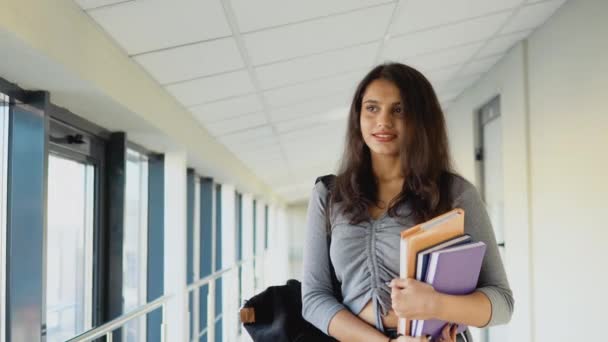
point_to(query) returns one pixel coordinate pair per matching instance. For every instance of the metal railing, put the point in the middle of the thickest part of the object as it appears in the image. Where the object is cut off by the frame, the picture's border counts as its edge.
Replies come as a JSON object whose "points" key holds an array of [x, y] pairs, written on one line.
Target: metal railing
{"points": [[209, 280], [108, 328]]}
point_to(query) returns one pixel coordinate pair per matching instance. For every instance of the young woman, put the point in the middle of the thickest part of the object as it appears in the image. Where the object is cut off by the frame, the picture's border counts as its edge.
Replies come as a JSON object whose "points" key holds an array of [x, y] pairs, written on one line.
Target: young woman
{"points": [[396, 172]]}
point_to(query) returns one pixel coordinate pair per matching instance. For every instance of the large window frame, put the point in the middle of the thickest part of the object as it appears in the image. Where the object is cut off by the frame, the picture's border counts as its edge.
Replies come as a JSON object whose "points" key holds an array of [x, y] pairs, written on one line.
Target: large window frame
{"points": [[4, 122], [73, 138], [138, 155]]}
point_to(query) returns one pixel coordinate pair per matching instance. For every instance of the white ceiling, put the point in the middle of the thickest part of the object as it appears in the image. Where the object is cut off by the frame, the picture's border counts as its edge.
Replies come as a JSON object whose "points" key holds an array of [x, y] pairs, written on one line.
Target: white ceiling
{"points": [[272, 79]]}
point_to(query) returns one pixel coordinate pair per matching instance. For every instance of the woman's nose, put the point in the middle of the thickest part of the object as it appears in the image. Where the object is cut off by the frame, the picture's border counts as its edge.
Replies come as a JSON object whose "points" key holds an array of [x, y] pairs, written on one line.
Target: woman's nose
{"points": [[385, 119]]}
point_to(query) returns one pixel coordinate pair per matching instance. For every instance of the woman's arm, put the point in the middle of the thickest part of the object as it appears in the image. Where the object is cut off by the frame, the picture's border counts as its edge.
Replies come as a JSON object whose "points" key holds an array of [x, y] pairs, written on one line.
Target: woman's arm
{"points": [[449, 308], [492, 303], [345, 326], [318, 302]]}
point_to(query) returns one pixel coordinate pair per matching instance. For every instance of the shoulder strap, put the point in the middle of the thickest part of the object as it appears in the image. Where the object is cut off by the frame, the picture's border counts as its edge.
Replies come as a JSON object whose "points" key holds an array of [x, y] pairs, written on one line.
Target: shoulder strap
{"points": [[328, 181]]}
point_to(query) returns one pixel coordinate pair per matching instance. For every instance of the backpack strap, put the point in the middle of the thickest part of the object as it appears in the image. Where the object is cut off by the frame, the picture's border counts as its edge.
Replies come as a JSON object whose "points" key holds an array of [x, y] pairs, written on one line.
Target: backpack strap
{"points": [[328, 181]]}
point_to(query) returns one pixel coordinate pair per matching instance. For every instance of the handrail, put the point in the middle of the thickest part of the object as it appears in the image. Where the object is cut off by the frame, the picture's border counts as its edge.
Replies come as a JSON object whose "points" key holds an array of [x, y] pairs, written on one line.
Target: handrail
{"points": [[217, 274], [108, 328]]}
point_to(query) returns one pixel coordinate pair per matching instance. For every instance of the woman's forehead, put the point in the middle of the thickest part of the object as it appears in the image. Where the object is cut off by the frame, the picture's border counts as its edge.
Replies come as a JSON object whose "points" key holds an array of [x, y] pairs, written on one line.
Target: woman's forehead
{"points": [[382, 91]]}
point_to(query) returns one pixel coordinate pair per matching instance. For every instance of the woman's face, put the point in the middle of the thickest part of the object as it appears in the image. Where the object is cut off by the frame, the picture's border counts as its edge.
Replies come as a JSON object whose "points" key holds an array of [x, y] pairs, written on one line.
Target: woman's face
{"points": [[382, 118]]}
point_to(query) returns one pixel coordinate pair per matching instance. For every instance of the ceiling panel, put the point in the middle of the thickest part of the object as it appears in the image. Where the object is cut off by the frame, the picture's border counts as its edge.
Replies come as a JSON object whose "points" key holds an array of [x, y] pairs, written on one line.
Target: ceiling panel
{"points": [[444, 37], [448, 57], [310, 90], [202, 90], [480, 65], [264, 133], [255, 15], [237, 124], [317, 36], [229, 108], [458, 84], [91, 4], [340, 115], [322, 104], [252, 146], [531, 16], [317, 66], [502, 43], [417, 15], [192, 61], [140, 26], [439, 76]]}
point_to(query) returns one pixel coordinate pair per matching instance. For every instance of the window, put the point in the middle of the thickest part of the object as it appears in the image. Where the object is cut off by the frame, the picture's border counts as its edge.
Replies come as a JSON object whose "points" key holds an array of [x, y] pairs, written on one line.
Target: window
{"points": [[135, 242], [218, 262], [4, 113], [74, 297], [70, 224]]}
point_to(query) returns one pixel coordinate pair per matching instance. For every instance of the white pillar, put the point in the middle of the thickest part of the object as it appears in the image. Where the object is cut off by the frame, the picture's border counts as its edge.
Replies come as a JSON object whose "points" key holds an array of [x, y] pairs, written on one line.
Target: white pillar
{"points": [[229, 279], [175, 245]]}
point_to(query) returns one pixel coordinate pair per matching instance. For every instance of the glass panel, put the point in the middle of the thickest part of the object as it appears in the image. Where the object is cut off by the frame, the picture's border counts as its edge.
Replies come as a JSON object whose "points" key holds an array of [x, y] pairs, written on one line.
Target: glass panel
{"points": [[135, 243], [69, 248], [4, 107]]}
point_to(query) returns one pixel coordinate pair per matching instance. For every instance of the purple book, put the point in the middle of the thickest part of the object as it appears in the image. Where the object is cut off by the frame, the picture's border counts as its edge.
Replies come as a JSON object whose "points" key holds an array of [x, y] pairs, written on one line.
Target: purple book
{"points": [[455, 271]]}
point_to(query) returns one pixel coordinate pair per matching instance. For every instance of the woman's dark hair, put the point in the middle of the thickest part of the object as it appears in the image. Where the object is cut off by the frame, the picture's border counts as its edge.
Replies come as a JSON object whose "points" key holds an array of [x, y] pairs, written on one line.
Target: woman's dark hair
{"points": [[425, 156]]}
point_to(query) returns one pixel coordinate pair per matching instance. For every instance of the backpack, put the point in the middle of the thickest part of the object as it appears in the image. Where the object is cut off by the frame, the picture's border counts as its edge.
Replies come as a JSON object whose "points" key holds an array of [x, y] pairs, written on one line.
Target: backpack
{"points": [[275, 314]]}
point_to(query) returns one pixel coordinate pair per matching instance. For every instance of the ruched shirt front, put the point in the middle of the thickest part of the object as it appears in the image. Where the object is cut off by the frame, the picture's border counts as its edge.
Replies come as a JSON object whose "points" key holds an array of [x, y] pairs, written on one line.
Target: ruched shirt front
{"points": [[366, 255]]}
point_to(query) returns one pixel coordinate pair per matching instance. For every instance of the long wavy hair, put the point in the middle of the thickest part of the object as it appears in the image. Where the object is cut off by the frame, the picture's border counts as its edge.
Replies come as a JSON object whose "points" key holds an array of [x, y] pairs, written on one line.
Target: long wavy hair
{"points": [[425, 156]]}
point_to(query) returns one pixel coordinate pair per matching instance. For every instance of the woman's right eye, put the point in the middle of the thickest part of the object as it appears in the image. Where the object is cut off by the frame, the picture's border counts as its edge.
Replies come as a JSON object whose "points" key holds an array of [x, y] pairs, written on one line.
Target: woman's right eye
{"points": [[370, 108]]}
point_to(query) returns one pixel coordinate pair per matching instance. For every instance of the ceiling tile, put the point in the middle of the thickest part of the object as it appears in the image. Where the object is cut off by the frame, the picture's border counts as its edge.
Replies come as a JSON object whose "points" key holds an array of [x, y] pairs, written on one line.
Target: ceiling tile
{"points": [[225, 109], [309, 90], [441, 75], [340, 114], [211, 88], [417, 15], [317, 36], [532, 16], [236, 124], [319, 105], [480, 65], [458, 84], [192, 61], [91, 4], [317, 66], [502, 43], [444, 37], [260, 148], [253, 146], [448, 57], [264, 133], [141, 26], [255, 15]]}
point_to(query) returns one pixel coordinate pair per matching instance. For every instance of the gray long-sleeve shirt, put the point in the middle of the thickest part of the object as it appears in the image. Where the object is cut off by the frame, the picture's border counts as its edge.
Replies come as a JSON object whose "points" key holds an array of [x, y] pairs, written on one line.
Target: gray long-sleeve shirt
{"points": [[366, 255]]}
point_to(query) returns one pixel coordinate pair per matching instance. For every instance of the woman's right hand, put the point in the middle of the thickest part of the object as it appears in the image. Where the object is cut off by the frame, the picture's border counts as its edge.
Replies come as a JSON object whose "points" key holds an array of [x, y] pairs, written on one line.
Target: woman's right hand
{"points": [[448, 334]]}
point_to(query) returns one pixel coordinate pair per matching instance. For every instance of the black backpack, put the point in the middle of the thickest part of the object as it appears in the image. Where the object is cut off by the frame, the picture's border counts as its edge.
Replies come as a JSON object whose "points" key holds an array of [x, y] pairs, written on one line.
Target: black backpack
{"points": [[275, 314]]}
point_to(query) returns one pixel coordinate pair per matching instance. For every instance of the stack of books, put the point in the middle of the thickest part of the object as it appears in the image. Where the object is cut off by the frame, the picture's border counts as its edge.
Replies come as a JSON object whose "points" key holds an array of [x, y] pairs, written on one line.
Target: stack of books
{"points": [[438, 253]]}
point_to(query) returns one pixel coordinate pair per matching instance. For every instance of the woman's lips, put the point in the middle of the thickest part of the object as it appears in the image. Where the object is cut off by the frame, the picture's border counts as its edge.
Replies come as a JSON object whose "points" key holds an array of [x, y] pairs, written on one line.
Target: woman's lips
{"points": [[384, 137]]}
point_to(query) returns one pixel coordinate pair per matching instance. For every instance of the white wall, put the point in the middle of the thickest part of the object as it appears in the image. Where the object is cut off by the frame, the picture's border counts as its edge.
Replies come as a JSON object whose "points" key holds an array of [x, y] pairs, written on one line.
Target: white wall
{"points": [[554, 132], [568, 77]]}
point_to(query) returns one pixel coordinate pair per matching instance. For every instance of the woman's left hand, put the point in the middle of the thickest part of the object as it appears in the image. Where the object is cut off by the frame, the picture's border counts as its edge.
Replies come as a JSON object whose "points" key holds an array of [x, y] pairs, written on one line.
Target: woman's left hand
{"points": [[413, 299]]}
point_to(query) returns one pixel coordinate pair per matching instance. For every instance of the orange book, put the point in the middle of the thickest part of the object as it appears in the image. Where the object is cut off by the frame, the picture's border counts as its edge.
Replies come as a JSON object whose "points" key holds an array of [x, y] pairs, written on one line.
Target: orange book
{"points": [[423, 236]]}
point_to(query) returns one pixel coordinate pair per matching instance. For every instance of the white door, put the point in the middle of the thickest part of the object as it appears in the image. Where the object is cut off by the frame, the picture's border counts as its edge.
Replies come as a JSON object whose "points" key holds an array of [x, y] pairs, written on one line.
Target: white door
{"points": [[493, 186]]}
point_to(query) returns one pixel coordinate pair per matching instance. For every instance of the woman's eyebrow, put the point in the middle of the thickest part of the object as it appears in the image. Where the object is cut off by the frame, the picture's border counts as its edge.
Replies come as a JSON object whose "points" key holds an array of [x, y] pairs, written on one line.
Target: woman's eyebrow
{"points": [[374, 101]]}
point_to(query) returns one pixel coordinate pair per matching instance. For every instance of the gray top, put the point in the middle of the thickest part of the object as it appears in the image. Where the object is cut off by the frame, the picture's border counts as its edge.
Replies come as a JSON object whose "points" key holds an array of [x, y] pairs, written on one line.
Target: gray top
{"points": [[366, 255]]}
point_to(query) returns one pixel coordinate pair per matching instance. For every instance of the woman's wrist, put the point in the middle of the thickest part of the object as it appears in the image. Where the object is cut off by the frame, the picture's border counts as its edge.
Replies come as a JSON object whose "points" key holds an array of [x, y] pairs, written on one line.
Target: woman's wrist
{"points": [[436, 305]]}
